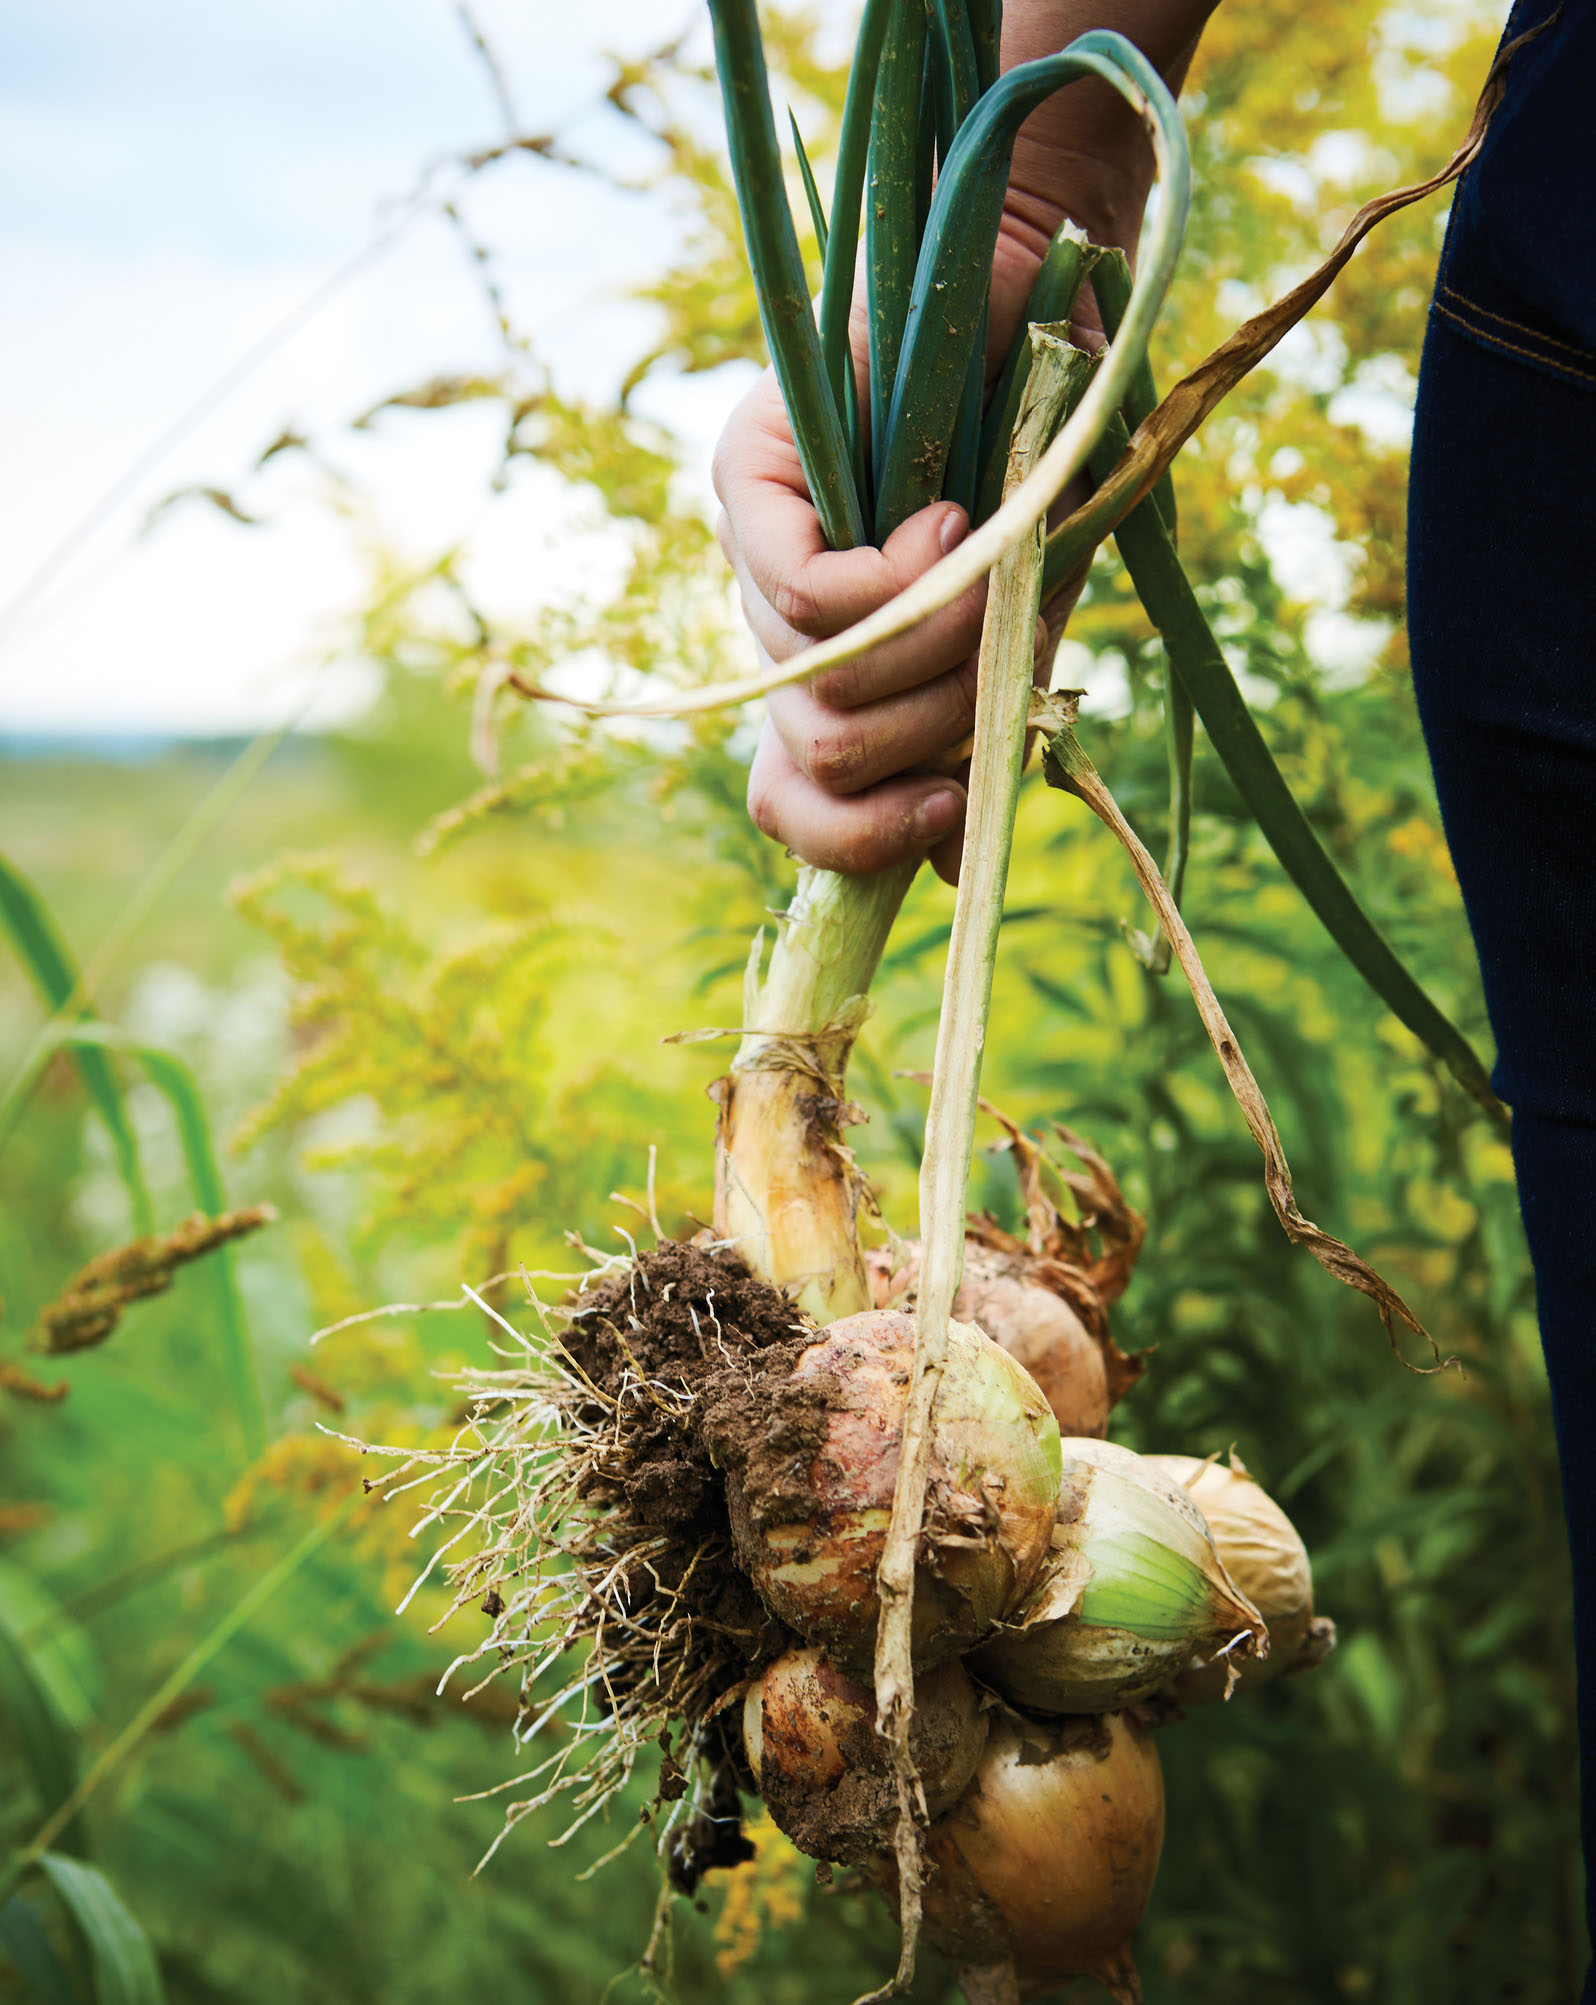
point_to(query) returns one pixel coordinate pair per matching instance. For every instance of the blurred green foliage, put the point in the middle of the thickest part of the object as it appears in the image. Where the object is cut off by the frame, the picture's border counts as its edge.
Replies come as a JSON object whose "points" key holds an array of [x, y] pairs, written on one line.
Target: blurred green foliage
{"points": [[432, 1030]]}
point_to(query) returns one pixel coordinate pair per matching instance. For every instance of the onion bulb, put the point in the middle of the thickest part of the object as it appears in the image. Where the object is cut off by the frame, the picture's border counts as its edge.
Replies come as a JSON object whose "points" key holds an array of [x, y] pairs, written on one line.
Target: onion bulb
{"points": [[1132, 1589], [1006, 1297], [809, 1732], [1041, 1871], [811, 1547], [1269, 1563]]}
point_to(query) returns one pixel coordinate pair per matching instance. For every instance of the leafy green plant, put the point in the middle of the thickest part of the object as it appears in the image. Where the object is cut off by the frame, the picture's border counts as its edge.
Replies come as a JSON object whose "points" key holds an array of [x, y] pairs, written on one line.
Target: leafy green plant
{"points": [[1398, 1827]]}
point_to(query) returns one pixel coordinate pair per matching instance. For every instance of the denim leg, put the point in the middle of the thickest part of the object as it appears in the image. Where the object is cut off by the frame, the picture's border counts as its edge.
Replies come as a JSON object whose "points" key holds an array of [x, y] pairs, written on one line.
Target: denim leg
{"points": [[1502, 616]]}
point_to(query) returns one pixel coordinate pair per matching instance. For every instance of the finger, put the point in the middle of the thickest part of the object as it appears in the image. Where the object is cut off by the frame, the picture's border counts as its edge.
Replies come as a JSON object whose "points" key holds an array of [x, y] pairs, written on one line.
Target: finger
{"points": [[771, 534], [775, 530], [935, 645], [856, 835], [846, 751], [929, 650], [948, 856]]}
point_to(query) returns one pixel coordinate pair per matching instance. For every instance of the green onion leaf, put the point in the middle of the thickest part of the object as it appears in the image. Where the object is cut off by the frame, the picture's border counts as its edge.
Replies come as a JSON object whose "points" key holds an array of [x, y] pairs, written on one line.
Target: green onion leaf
{"points": [[785, 310]]}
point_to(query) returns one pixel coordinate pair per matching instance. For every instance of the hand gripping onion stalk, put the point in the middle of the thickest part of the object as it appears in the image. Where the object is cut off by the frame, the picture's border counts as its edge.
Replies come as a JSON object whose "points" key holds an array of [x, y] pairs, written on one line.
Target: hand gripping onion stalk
{"points": [[1040, 1873], [811, 1538], [1132, 1589], [1267, 1560], [809, 1732]]}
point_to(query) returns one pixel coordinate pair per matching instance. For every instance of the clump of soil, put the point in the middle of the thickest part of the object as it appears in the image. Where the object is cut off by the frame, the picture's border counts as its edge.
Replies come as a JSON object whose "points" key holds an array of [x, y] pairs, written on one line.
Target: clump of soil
{"points": [[690, 1359]]}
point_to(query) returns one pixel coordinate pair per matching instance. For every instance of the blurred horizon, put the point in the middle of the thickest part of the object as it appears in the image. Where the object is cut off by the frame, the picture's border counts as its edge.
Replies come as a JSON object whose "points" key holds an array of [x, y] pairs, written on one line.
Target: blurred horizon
{"points": [[188, 197]]}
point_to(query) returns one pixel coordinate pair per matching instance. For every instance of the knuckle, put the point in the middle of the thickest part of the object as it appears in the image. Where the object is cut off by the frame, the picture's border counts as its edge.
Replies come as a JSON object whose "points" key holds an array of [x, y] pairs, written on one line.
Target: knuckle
{"points": [[793, 600], [721, 462], [833, 758], [763, 806], [837, 688]]}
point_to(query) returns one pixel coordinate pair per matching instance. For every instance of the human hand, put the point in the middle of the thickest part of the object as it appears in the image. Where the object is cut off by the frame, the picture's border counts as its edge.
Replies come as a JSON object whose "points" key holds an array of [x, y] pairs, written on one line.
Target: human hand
{"points": [[852, 770]]}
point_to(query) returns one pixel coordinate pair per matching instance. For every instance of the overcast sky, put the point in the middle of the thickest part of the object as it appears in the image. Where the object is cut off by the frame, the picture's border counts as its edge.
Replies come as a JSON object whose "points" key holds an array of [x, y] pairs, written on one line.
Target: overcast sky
{"points": [[176, 180]]}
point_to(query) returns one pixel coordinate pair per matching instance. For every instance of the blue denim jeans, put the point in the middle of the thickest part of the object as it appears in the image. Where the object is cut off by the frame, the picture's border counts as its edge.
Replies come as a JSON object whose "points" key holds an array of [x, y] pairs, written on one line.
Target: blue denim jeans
{"points": [[1502, 614]]}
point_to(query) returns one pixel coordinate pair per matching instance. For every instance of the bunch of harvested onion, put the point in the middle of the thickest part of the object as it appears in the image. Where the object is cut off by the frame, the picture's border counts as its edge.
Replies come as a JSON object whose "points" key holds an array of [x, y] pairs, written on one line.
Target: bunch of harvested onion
{"points": [[843, 1528]]}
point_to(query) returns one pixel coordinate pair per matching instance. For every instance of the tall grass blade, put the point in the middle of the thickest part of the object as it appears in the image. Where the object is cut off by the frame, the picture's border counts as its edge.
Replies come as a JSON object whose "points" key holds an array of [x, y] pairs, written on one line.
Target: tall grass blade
{"points": [[207, 812], [177, 1085], [48, 1744], [785, 311], [125, 1970], [41, 951], [209, 1646], [23, 1938]]}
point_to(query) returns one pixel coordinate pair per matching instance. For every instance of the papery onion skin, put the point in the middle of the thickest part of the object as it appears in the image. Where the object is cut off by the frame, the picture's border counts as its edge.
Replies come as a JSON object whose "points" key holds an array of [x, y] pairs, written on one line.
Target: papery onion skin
{"points": [[809, 1732], [989, 1504], [1036, 1326], [1266, 1558], [1046, 1863], [1133, 1587]]}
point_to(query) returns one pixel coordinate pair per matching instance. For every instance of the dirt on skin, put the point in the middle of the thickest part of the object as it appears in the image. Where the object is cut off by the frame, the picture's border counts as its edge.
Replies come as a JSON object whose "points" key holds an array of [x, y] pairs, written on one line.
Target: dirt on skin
{"points": [[844, 1809]]}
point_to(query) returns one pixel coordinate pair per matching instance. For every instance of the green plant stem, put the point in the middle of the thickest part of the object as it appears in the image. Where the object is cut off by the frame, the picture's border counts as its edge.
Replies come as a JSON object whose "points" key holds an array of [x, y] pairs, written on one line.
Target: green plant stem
{"points": [[840, 245], [1070, 257], [1198, 660], [1111, 282], [898, 150], [786, 1190], [116, 1752]]}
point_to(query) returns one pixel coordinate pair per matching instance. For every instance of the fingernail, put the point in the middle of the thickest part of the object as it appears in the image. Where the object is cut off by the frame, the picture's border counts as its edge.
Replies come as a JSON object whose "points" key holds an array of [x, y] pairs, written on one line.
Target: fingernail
{"points": [[955, 527], [937, 814]]}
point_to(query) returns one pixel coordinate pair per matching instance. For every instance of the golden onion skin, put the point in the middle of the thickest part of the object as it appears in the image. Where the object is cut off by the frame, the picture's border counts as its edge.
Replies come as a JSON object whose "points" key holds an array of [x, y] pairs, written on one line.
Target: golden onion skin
{"points": [[809, 1732], [1132, 1589], [1046, 1863], [1264, 1554], [989, 1503], [1031, 1321]]}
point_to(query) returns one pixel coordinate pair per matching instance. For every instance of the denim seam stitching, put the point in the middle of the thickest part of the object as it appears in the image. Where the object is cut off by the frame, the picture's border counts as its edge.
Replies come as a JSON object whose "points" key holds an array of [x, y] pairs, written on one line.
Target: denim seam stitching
{"points": [[1529, 354], [1518, 326]]}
